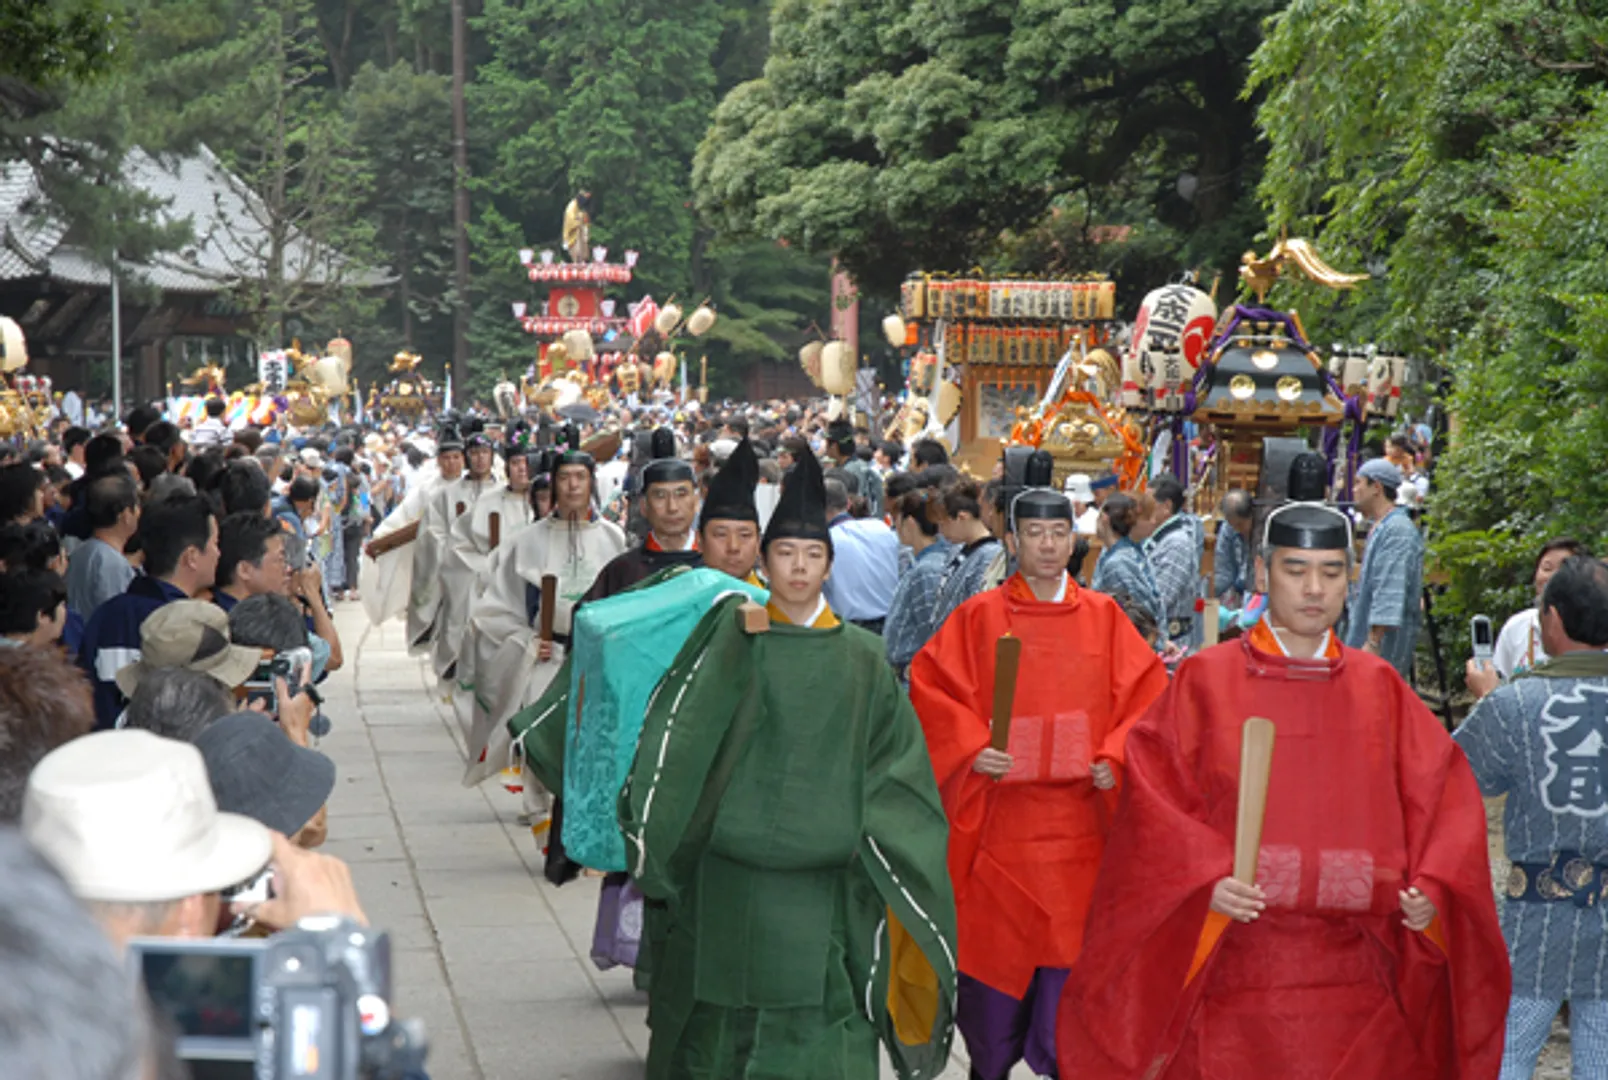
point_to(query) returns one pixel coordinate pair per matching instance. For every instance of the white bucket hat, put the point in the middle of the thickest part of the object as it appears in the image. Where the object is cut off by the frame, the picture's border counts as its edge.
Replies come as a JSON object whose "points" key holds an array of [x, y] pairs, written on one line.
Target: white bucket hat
{"points": [[1079, 487], [129, 816]]}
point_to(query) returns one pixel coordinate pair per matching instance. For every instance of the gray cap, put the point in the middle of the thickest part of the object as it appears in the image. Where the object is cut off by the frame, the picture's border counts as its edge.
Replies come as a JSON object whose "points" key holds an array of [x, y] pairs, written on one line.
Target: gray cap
{"points": [[258, 772], [1381, 471]]}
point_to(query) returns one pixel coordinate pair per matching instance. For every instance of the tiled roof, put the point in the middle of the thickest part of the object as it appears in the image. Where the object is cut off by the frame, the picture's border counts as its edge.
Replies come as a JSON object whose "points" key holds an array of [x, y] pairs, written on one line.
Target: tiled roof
{"points": [[26, 234], [228, 237], [73, 266]]}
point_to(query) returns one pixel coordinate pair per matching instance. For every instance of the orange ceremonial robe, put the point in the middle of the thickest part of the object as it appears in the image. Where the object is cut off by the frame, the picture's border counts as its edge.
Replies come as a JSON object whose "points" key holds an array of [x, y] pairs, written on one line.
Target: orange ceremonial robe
{"points": [[1023, 852]]}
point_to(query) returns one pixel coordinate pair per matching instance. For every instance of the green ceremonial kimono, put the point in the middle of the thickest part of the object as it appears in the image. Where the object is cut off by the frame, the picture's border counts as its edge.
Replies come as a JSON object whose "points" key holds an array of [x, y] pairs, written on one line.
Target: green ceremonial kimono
{"points": [[783, 808]]}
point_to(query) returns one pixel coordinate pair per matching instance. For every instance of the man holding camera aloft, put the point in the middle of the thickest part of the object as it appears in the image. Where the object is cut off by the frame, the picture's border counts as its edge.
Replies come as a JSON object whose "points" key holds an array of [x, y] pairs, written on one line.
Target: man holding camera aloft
{"points": [[1539, 740]]}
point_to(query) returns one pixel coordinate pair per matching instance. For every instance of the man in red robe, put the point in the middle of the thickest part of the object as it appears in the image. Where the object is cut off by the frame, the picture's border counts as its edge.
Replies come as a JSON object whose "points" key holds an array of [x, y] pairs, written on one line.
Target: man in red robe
{"points": [[1369, 948], [1027, 824]]}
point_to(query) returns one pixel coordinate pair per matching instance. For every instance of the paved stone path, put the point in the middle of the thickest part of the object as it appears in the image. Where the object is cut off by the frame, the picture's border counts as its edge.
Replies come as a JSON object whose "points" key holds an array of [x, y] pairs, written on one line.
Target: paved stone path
{"points": [[491, 957]]}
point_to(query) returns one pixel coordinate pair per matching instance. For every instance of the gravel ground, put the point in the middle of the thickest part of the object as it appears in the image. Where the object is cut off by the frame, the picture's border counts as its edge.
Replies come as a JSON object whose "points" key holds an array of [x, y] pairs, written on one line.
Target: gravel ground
{"points": [[1554, 1064]]}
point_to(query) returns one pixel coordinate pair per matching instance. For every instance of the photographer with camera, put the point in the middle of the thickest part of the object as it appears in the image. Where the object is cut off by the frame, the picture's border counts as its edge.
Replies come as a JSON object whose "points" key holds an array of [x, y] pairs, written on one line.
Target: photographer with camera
{"points": [[258, 772], [130, 820], [284, 683], [253, 561]]}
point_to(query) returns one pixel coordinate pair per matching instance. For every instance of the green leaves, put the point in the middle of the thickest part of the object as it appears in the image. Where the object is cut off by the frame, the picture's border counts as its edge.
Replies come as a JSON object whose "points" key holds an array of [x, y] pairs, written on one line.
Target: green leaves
{"points": [[52, 44], [896, 136], [1464, 144]]}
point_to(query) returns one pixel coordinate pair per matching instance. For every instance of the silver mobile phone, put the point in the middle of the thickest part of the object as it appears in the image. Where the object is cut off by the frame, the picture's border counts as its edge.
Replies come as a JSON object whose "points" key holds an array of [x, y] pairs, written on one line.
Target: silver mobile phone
{"points": [[1479, 628]]}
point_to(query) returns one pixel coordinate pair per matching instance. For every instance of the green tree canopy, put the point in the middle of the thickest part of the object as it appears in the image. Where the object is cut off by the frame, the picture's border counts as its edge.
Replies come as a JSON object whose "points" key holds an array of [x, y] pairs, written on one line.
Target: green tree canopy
{"points": [[902, 135], [1461, 151]]}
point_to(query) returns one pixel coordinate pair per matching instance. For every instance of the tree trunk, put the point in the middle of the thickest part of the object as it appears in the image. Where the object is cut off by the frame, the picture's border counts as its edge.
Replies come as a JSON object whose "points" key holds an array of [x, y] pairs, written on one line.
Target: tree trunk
{"points": [[405, 280], [460, 202], [278, 168]]}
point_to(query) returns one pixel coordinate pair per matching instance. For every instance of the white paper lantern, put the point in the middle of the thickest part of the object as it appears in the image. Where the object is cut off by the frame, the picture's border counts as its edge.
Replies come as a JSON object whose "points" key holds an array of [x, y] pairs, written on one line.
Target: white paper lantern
{"points": [[327, 372], [837, 368], [699, 322], [667, 320], [13, 347], [893, 328], [579, 345], [1354, 375]]}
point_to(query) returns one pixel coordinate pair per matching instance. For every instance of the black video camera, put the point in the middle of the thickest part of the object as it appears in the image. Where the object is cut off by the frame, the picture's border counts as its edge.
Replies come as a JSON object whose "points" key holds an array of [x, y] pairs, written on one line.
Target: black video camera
{"points": [[312, 1002]]}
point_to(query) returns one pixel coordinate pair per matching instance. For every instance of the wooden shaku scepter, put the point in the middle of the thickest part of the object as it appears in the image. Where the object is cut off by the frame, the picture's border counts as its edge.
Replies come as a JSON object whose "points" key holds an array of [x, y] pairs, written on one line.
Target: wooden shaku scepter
{"points": [[1256, 765]]}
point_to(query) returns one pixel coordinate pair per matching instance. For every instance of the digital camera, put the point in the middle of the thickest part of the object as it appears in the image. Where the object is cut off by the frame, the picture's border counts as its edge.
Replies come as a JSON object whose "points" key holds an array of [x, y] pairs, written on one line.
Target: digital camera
{"points": [[311, 1003]]}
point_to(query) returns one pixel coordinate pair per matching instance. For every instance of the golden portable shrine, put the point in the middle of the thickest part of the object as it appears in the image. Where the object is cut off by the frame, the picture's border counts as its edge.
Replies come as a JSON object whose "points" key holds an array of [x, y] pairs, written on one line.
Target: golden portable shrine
{"points": [[1012, 359], [408, 394], [25, 400]]}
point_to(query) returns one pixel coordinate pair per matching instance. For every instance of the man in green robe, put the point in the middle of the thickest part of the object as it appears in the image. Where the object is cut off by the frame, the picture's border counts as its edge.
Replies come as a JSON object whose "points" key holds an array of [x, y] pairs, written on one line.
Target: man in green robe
{"points": [[783, 808]]}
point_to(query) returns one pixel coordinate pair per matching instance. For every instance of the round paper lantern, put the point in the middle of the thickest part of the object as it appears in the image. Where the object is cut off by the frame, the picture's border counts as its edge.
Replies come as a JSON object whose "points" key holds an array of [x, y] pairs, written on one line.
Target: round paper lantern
{"points": [[948, 403], [664, 368], [579, 344], [809, 358], [13, 348], [668, 318], [699, 322], [328, 372], [342, 348], [893, 328], [837, 368]]}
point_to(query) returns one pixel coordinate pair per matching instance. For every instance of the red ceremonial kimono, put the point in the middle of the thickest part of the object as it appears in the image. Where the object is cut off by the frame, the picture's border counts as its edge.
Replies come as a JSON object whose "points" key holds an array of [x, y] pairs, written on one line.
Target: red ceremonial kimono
{"points": [[1024, 851], [1368, 796]]}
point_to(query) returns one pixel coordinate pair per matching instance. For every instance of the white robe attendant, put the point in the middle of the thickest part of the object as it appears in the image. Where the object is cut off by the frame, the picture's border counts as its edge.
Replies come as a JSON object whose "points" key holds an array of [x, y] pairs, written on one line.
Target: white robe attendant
{"points": [[463, 570], [449, 502], [507, 675], [390, 577]]}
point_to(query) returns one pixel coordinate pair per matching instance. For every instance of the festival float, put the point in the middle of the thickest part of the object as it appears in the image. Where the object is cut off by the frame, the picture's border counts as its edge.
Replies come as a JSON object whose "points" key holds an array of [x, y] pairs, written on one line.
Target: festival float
{"points": [[580, 329], [299, 385], [1252, 383], [576, 312], [1011, 360], [1002, 362], [407, 395]]}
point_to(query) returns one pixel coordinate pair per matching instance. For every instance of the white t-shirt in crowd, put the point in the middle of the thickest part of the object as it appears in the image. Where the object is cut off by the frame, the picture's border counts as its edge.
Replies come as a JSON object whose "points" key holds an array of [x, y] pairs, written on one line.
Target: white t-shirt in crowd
{"points": [[1518, 646]]}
